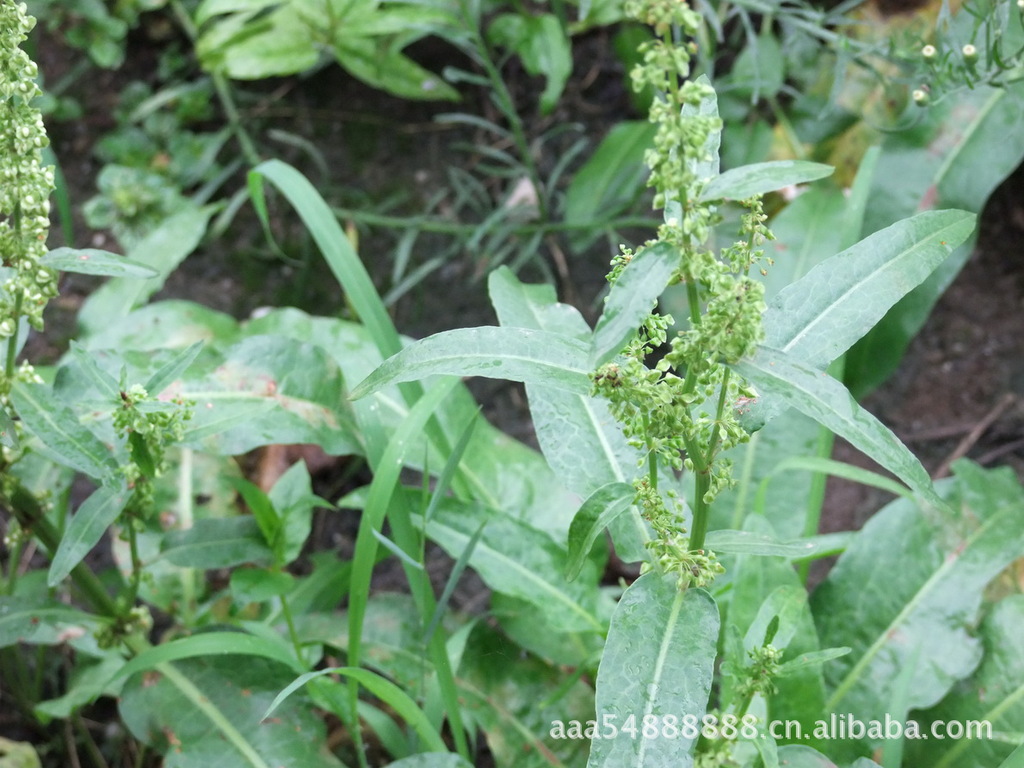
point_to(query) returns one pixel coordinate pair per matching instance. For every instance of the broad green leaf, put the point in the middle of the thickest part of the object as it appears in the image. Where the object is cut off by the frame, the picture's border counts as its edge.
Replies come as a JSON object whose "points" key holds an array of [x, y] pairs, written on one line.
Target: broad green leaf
{"points": [[610, 180], [543, 46], [963, 149], [943, 566], [807, 231], [163, 249], [752, 180], [166, 324], [747, 543], [497, 470], [104, 383], [514, 700], [248, 48], [8, 432], [217, 543], [533, 306], [580, 439], [822, 314], [391, 640], [631, 299], [994, 694], [658, 661], [1015, 760], [836, 469], [829, 403], [263, 513], [87, 527], [516, 354], [203, 712], [294, 500], [270, 389], [89, 261], [63, 437], [597, 513], [519, 621], [257, 585], [516, 559], [389, 70], [41, 622], [811, 660]]}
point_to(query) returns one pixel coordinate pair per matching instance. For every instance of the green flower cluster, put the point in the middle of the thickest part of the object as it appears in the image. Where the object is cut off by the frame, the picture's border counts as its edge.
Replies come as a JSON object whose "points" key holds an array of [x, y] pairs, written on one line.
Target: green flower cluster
{"points": [[681, 410], [150, 426], [25, 185]]}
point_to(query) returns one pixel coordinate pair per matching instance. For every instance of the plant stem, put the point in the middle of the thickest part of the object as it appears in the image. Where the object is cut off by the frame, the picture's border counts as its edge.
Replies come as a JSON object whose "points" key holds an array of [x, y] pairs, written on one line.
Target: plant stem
{"points": [[95, 756], [701, 509], [136, 578], [292, 634], [12, 343], [13, 560]]}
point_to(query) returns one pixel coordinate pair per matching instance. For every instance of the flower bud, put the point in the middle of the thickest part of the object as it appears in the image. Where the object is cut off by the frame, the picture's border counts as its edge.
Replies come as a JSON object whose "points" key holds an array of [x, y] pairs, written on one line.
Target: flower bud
{"points": [[929, 52], [921, 97], [970, 53]]}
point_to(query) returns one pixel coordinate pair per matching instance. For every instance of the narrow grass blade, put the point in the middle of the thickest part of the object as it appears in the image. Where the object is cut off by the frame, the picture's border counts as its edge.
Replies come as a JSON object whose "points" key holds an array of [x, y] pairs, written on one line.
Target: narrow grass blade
{"points": [[383, 487], [384, 690], [174, 368], [210, 644], [451, 466], [334, 245], [453, 580]]}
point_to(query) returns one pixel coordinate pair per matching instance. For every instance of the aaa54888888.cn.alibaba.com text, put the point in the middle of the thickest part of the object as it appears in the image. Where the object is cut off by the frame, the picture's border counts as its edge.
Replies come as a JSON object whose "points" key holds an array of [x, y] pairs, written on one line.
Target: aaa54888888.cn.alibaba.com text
{"points": [[728, 726]]}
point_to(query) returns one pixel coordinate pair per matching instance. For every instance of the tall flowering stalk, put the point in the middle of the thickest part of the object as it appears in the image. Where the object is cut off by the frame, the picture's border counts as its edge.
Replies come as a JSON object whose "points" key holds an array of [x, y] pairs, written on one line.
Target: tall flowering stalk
{"points": [[25, 188], [680, 412]]}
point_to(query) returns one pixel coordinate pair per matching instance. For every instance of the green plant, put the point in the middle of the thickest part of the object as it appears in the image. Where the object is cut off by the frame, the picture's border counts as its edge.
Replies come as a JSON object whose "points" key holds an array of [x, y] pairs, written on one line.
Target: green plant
{"points": [[664, 632], [154, 400]]}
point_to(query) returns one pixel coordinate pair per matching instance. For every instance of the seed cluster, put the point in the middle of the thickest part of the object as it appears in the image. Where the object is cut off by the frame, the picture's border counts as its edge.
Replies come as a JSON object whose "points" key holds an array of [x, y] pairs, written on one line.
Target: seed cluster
{"points": [[25, 185], [680, 410]]}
